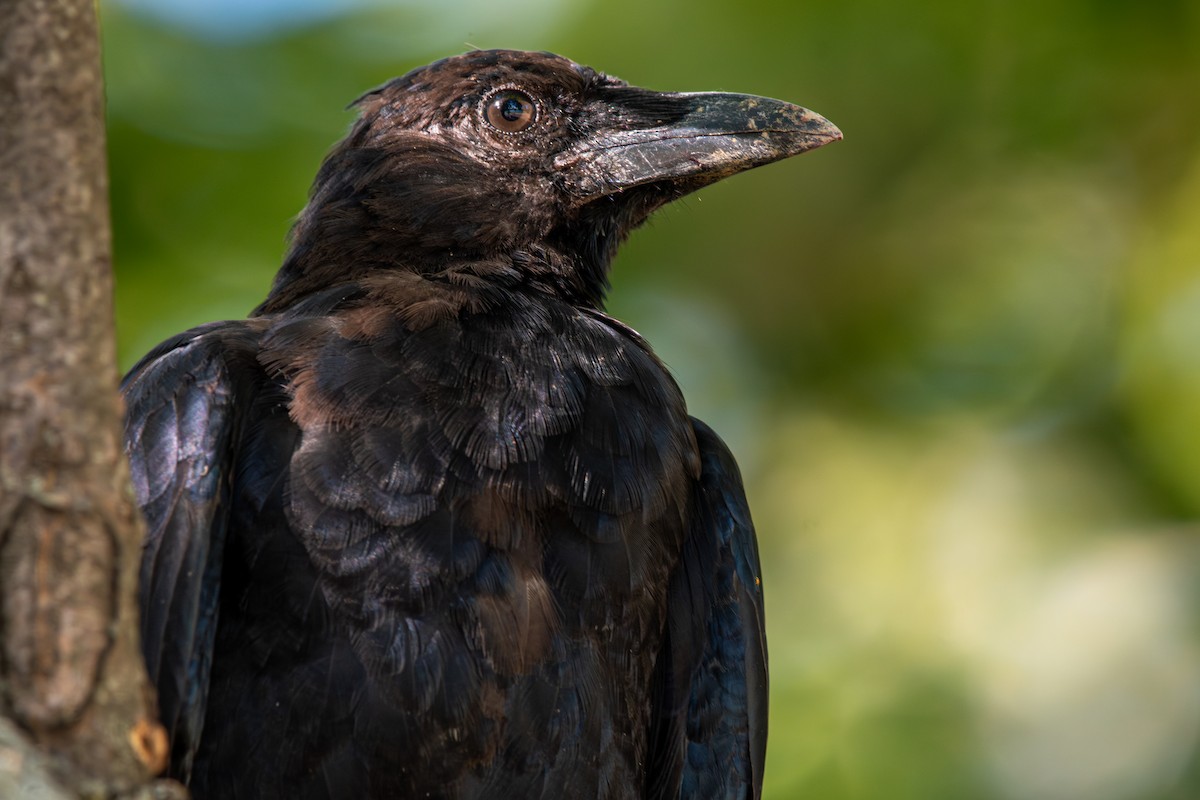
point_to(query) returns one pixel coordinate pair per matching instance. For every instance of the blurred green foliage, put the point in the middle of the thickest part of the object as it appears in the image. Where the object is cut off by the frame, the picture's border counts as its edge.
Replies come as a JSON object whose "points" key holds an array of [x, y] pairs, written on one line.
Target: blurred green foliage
{"points": [[958, 354]]}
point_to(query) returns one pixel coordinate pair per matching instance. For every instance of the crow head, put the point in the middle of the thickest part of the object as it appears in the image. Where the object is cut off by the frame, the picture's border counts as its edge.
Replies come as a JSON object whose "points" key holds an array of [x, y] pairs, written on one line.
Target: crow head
{"points": [[526, 165]]}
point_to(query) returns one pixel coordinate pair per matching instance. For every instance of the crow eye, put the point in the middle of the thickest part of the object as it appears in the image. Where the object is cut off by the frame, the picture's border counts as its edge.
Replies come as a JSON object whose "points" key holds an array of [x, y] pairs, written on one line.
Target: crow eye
{"points": [[510, 111]]}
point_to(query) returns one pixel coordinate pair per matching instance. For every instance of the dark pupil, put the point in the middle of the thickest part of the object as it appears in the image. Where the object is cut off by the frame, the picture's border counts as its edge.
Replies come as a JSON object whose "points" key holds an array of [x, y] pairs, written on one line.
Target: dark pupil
{"points": [[512, 109]]}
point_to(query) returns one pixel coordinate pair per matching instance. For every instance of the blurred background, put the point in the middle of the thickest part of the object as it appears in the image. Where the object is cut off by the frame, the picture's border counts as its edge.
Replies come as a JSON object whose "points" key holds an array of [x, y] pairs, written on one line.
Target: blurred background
{"points": [[957, 354]]}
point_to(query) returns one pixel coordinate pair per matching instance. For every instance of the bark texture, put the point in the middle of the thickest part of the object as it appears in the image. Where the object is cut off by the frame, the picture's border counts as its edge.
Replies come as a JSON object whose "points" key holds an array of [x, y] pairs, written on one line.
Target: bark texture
{"points": [[71, 677]]}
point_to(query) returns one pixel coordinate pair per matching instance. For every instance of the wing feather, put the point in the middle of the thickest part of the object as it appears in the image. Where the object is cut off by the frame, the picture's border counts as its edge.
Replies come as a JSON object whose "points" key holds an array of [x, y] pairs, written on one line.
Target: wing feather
{"points": [[709, 735], [181, 430]]}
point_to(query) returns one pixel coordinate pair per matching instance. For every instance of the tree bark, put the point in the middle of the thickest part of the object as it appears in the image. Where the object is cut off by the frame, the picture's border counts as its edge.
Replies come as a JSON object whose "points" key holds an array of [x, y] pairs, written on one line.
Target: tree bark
{"points": [[71, 676]]}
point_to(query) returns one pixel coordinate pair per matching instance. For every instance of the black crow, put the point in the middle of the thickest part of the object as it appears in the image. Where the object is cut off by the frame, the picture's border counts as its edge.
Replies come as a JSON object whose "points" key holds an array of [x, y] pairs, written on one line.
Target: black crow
{"points": [[430, 523]]}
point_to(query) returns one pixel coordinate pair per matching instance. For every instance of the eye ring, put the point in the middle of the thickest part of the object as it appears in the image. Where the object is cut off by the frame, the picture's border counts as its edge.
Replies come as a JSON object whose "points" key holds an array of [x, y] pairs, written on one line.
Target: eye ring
{"points": [[510, 111]]}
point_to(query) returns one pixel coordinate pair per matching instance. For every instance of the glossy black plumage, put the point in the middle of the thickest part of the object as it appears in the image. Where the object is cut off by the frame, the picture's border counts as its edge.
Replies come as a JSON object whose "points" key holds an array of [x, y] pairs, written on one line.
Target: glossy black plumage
{"points": [[429, 523]]}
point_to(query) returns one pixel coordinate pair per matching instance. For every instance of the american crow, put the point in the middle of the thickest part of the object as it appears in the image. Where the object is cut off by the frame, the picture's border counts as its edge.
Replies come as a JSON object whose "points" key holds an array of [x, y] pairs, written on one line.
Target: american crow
{"points": [[429, 523]]}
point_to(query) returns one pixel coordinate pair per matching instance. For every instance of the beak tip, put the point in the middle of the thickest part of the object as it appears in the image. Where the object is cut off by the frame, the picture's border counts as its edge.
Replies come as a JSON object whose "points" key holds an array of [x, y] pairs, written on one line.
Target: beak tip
{"points": [[825, 131]]}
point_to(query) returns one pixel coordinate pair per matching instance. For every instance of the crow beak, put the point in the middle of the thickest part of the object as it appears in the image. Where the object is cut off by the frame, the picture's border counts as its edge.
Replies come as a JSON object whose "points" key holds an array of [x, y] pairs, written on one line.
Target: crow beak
{"points": [[690, 140]]}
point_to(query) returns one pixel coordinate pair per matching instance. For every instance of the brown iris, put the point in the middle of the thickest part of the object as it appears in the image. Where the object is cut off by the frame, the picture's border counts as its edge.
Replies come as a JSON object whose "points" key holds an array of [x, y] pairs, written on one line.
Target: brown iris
{"points": [[510, 111]]}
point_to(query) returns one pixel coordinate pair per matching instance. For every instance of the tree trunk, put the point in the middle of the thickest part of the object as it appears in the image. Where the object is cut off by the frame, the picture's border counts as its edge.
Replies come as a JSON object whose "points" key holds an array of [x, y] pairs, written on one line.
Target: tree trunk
{"points": [[71, 677]]}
